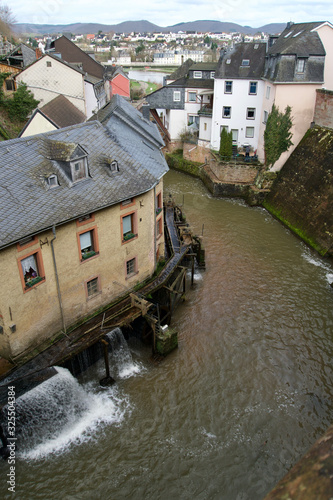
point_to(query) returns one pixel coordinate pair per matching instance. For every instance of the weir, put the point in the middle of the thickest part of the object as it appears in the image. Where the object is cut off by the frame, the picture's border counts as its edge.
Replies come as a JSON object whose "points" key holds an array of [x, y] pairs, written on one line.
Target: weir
{"points": [[76, 408]]}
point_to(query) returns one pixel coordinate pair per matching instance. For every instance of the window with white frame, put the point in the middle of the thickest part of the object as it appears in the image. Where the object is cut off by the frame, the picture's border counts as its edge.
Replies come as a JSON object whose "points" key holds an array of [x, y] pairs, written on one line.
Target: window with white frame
{"points": [[79, 169], [223, 127], [128, 227], [52, 180], [246, 62], [212, 74], [197, 74], [226, 112], [228, 87], [234, 133], [268, 92], [253, 88], [92, 287], [250, 113], [176, 95], [32, 270], [131, 267], [249, 132], [193, 119], [300, 65], [192, 96], [87, 245], [265, 116]]}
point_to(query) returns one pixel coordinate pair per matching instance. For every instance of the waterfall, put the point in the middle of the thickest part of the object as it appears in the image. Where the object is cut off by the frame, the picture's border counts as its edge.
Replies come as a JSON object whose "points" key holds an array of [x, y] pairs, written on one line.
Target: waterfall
{"points": [[61, 412], [122, 364]]}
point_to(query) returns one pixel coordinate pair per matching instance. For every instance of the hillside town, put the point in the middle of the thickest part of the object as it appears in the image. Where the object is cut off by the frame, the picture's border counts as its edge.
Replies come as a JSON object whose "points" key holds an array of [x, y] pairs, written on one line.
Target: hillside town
{"points": [[90, 239], [235, 93]]}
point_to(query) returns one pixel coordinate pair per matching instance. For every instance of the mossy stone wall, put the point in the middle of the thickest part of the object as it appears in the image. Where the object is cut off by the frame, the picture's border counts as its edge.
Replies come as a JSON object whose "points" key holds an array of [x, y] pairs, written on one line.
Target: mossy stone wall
{"points": [[302, 195]]}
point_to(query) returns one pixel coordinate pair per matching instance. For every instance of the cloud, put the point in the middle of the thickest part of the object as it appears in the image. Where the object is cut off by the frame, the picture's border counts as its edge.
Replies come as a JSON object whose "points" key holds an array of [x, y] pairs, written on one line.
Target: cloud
{"points": [[255, 13]]}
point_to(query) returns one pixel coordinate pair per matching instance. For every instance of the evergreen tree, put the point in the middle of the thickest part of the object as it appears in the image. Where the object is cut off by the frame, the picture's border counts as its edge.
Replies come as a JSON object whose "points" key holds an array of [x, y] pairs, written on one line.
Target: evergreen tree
{"points": [[225, 144], [21, 104], [277, 135]]}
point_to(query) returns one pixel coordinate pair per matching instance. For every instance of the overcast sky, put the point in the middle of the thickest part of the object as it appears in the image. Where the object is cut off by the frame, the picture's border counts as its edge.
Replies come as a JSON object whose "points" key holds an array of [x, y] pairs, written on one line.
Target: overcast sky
{"points": [[254, 13]]}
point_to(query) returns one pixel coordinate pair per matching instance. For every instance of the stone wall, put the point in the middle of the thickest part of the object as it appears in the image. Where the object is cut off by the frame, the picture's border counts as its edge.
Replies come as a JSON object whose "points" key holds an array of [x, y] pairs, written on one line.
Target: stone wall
{"points": [[323, 115], [193, 152], [302, 195]]}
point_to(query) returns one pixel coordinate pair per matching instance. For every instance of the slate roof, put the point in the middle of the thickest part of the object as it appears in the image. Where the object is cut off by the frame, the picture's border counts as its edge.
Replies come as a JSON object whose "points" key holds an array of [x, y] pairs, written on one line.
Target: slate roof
{"points": [[299, 39], [28, 205], [200, 83], [121, 112], [62, 112], [182, 71], [113, 71], [22, 55], [230, 63]]}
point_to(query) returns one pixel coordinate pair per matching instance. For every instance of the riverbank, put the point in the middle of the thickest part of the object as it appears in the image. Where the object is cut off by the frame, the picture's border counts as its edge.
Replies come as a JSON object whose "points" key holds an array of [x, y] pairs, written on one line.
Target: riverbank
{"points": [[234, 179], [299, 196]]}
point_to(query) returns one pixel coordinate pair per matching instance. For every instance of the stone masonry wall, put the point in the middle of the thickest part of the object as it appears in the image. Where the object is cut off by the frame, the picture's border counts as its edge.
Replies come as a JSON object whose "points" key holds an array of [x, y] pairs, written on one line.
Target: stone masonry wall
{"points": [[302, 195], [323, 115]]}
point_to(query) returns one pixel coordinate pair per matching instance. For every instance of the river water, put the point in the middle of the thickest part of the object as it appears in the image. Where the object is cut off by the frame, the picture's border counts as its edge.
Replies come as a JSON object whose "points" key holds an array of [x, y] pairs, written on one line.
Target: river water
{"points": [[224, 416], [147, 76]]}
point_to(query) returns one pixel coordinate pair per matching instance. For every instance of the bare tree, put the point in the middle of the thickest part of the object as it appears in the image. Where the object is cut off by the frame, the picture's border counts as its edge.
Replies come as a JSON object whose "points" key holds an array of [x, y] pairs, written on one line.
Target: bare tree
{"points": [[7, 20]]}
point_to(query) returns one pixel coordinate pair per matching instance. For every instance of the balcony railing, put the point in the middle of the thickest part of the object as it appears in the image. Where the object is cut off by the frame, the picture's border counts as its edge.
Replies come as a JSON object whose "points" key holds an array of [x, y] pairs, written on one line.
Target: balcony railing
{"points": [[205, 111]]}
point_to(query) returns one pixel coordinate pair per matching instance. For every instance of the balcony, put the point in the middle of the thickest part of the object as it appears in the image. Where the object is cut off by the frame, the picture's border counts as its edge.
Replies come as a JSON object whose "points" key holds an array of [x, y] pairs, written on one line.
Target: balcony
{"points": [[205, 111]]}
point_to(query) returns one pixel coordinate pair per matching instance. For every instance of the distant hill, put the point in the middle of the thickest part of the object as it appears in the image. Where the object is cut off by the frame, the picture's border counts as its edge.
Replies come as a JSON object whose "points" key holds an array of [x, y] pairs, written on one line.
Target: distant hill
{"points": [[144, 27]]}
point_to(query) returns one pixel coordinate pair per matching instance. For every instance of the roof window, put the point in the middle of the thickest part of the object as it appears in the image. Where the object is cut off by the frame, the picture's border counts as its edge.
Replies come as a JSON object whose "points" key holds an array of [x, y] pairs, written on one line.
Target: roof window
{"points": [[114, 167], [246, 62], [52, 181]]}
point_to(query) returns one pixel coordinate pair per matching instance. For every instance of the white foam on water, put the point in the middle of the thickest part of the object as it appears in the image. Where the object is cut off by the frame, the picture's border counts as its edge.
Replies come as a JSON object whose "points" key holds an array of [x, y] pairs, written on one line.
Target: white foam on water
{"points": [[316, 261], [120, 356], [62, 413]]}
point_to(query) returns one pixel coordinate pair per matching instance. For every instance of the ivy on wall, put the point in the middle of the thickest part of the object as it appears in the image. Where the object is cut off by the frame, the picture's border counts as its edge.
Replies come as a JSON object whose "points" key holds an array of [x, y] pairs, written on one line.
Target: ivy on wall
{"points": [[277, 135]]}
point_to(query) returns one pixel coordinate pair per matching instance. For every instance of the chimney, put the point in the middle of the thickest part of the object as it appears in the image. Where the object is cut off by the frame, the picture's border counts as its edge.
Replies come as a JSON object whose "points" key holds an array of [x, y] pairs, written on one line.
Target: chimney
{"points": [[145, 110]]}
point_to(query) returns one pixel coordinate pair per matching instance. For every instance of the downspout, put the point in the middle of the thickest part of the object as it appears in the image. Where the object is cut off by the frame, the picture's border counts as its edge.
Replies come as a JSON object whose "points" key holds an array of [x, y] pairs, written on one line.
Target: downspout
{"points": [[57, 281], [155, 233]]}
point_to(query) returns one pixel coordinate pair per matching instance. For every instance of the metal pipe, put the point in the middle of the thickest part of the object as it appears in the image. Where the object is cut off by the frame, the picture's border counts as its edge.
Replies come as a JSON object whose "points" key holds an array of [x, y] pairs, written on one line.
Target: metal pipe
{"points": [[57, 280]]}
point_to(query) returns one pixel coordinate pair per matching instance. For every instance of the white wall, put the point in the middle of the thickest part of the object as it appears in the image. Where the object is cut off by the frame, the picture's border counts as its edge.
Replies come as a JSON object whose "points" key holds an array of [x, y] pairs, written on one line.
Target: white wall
{"points": [[301, 98], [268, 101], [176, 122], [47, 82], [38, 125], [91, 101], [239, 101], [326, 36]]}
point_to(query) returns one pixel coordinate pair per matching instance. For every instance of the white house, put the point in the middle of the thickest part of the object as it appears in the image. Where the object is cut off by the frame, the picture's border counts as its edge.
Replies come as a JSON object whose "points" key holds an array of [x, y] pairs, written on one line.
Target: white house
{"points": [[238, 97], [50, 76], [183, 98], [299, 62]]}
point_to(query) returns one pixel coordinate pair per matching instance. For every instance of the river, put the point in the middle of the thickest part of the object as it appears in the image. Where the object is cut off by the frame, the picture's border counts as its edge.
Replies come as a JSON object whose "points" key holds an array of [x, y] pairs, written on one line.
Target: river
{"points": [[147, 76], [227, 414]]}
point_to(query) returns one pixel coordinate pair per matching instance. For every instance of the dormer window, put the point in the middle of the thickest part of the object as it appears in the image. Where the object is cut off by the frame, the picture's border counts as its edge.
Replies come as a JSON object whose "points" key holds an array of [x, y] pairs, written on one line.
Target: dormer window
{"points": [[78, 169], [300, 65], [114, 167], [52, 181], [197, 74]]}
